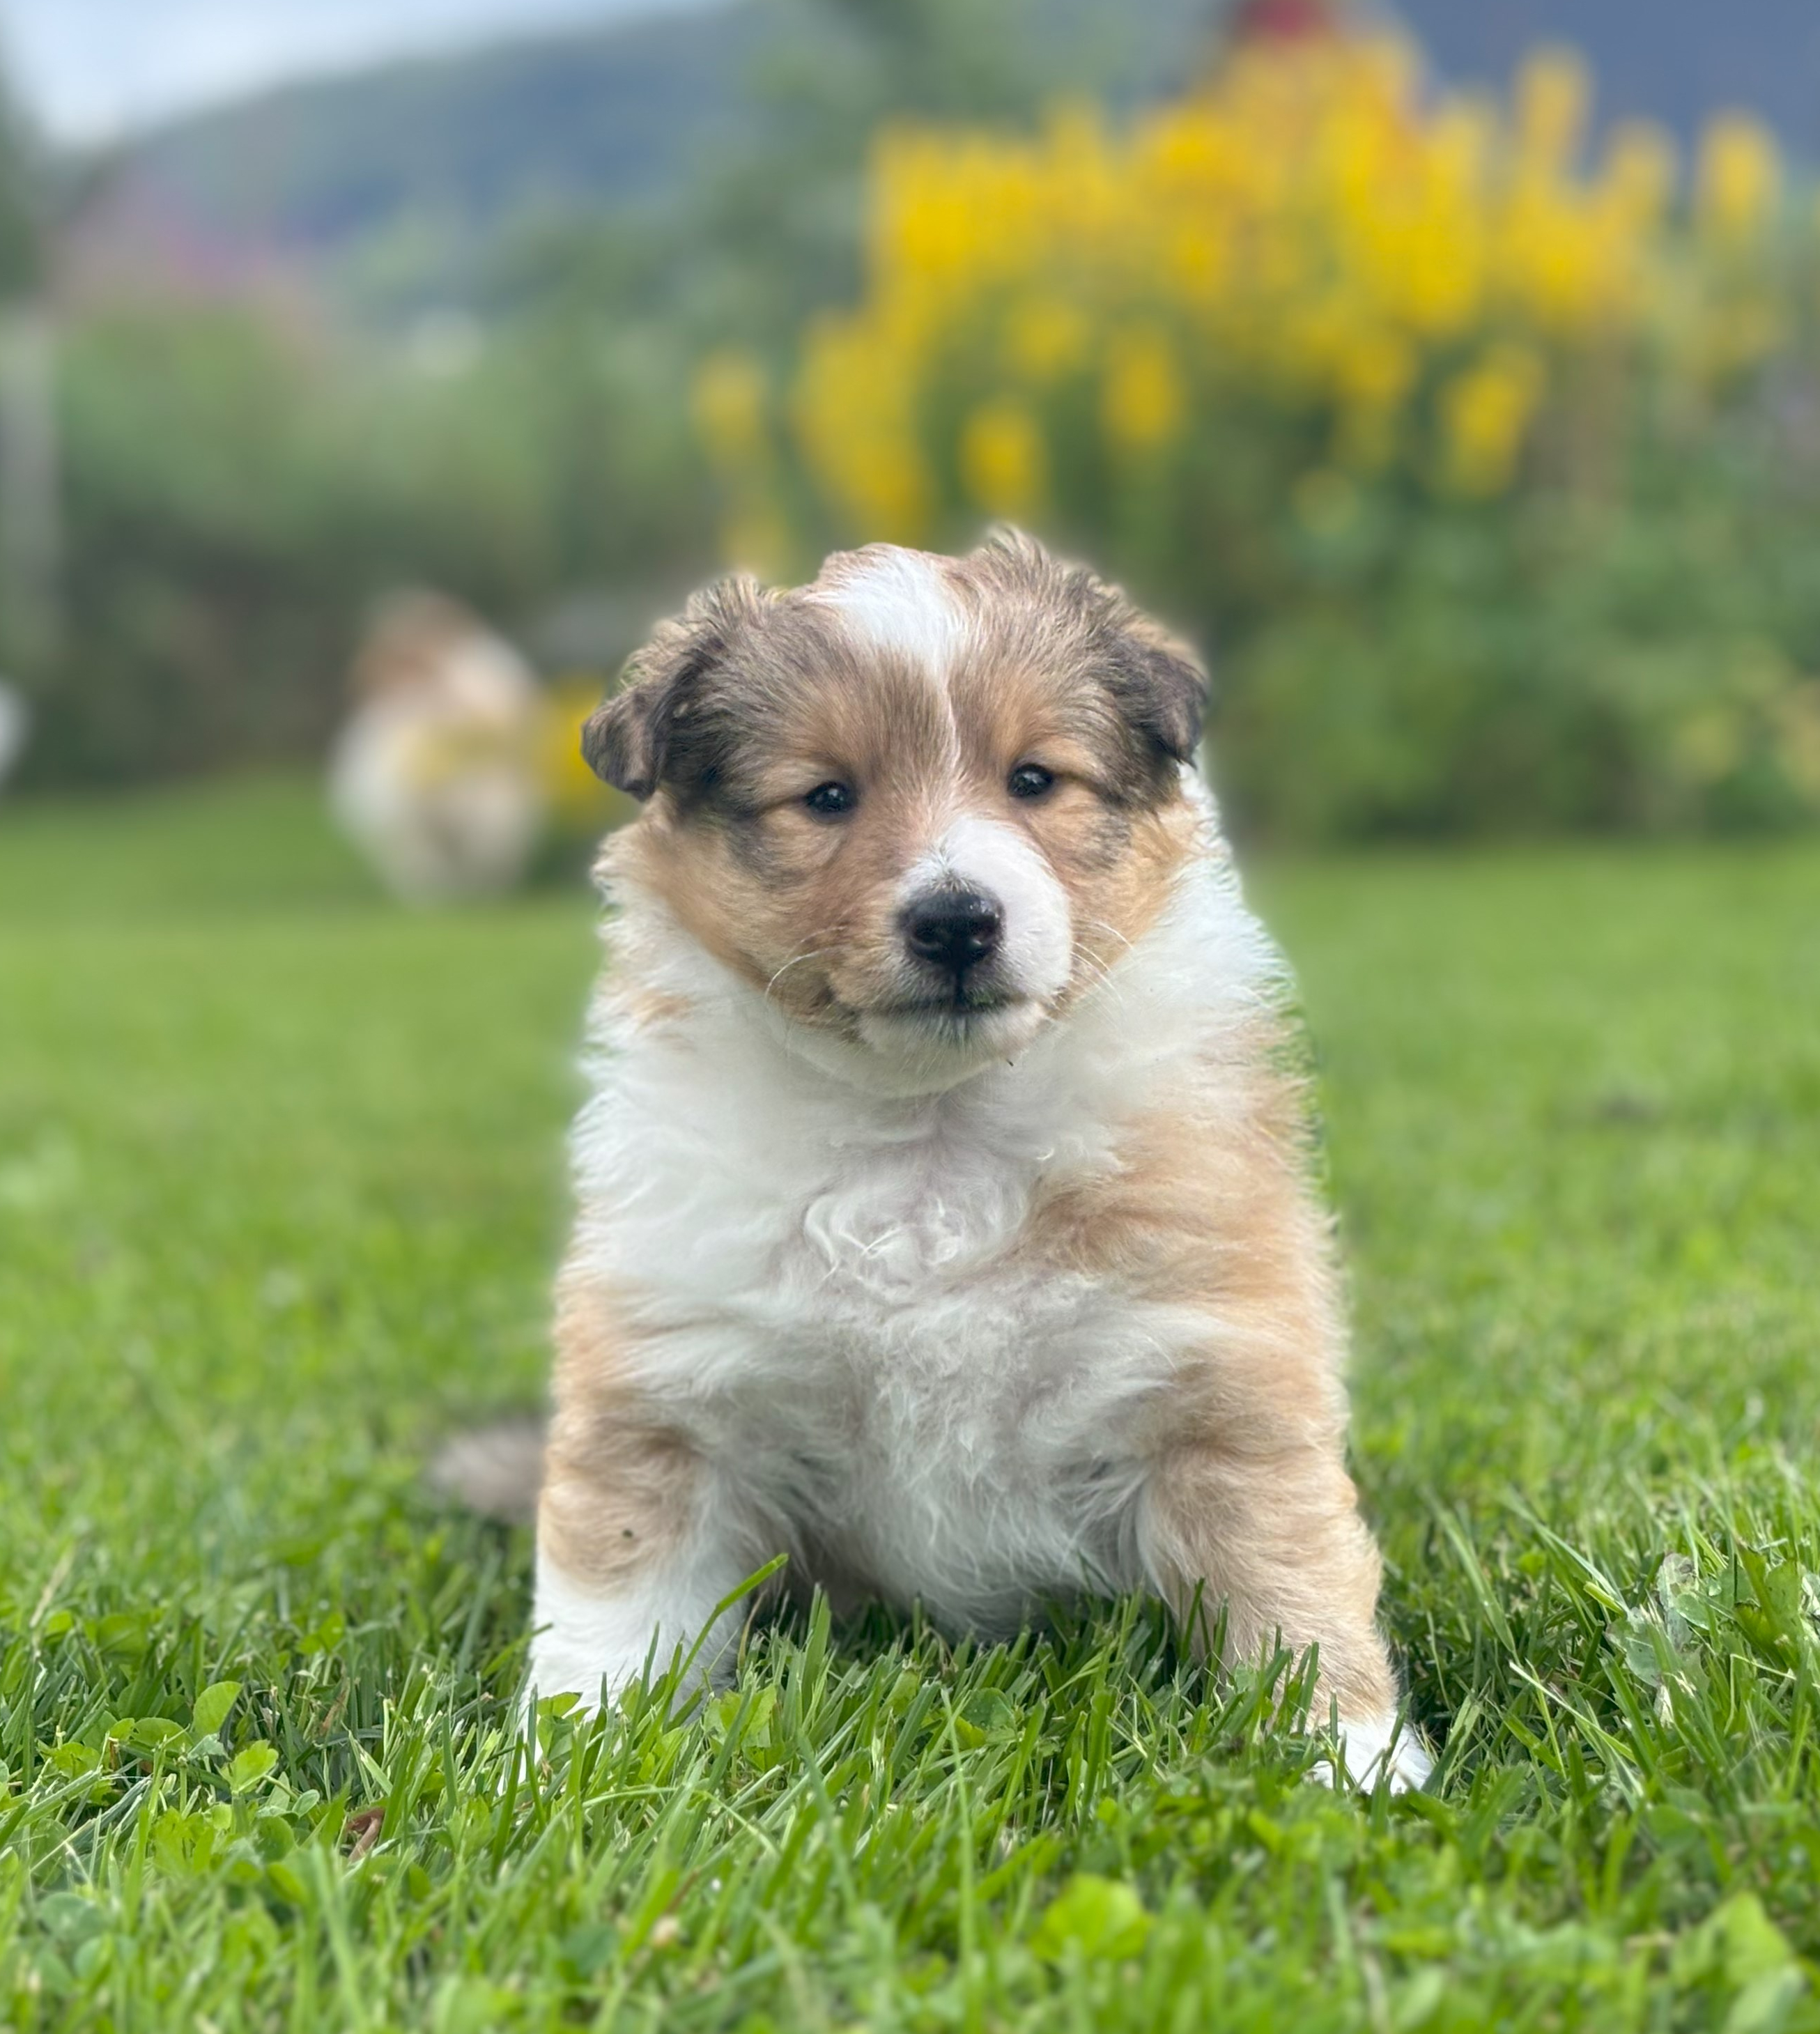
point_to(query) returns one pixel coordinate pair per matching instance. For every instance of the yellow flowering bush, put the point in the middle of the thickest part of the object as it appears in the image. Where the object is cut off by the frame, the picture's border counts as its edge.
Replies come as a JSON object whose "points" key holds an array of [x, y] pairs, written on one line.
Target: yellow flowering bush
{"points": [[1265, 352], [1417, 280]]}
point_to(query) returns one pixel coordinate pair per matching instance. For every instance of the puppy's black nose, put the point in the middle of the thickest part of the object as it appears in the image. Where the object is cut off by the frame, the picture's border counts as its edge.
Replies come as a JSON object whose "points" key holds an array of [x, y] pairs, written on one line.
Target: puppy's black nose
{"points": [[956, 929]]}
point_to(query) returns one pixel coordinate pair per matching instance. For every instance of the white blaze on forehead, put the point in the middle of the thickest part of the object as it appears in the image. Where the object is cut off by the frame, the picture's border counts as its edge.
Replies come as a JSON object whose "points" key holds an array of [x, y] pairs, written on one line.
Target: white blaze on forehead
{"points": [[1000, 862], [897, 602]]}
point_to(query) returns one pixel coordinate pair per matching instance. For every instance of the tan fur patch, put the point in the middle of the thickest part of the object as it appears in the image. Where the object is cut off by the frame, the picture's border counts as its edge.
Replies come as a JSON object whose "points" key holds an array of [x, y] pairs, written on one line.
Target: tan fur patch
{"points": [[1250, 1505], [650, 1009], [618, 1485], [1279, 1541]]}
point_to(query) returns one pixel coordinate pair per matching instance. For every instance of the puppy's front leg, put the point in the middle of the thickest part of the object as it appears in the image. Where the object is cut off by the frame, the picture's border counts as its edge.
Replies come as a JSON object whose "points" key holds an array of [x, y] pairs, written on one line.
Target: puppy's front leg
{"points": [[638, 1541], [1273, 1532]]}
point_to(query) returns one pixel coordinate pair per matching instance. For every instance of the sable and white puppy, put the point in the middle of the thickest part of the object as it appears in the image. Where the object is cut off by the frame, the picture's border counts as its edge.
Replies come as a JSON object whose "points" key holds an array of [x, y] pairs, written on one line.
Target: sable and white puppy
{"points": [[944, 1219]]}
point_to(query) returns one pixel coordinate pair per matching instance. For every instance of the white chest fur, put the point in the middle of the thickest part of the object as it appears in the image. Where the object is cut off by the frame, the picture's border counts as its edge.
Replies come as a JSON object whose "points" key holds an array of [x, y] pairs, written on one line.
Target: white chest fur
{"points": [[828, 1283]]}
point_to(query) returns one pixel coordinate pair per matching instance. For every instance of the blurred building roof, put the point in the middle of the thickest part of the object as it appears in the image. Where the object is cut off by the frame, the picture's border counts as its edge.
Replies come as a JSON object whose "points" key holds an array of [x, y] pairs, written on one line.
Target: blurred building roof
{"points": [[134, 239], [1283, 21]]}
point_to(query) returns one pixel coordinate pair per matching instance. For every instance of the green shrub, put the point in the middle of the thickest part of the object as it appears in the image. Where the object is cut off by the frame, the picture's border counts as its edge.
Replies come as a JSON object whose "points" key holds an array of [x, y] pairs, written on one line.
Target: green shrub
{"points": [[236, 495], [1552, 663]]}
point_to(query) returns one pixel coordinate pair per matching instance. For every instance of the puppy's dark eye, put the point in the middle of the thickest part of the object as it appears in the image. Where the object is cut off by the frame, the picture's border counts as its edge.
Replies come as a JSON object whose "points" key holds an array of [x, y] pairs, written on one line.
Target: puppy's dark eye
{"points": [[1029, 780], [831, 800]]}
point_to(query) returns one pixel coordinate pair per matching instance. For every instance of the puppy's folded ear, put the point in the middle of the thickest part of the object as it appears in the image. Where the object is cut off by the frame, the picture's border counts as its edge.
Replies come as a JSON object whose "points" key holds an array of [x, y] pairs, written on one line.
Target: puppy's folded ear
{"points": [[1160, 686], [630, 740]]}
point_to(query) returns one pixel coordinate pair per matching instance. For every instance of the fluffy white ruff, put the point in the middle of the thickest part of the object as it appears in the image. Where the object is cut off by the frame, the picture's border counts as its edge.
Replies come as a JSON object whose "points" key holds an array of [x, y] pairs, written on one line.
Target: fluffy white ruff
{"points": [[829, 1294]]}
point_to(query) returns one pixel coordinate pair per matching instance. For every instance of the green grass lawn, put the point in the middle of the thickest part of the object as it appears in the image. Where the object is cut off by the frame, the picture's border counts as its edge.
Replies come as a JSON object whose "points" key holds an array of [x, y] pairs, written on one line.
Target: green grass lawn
{"points": [[280, 1189]]}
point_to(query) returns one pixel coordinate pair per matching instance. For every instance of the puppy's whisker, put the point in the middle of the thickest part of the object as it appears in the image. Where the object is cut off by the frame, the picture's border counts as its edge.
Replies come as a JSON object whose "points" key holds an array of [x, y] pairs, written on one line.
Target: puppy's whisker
{"points": [[1100, 977], [797, 961], [1113, 932]]}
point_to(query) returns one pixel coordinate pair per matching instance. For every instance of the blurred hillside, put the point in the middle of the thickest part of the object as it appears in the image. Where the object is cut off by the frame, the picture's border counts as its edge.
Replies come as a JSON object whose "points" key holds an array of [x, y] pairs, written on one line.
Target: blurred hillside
{"points": [[416, 182], [388, 180]]}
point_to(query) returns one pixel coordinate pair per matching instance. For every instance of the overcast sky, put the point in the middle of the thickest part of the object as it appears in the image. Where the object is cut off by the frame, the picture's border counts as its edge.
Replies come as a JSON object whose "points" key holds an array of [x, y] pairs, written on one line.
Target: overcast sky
{"points": [[91, 68]]}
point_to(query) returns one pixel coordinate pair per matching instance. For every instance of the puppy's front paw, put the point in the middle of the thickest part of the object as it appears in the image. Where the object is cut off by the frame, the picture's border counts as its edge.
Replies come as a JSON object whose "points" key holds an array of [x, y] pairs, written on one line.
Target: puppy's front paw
{"points": [[592, 1645], [1375, 1748], [597, 1646]]}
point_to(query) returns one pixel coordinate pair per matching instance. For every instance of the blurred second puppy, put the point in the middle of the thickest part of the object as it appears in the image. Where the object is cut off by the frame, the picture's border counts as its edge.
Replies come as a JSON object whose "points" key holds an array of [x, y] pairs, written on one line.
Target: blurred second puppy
{"points": [[437, 775]]}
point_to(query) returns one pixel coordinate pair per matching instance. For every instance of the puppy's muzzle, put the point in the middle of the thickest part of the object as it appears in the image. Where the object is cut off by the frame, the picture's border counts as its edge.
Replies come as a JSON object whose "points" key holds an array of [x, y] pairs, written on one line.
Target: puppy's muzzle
{"points": [[953, 931]]}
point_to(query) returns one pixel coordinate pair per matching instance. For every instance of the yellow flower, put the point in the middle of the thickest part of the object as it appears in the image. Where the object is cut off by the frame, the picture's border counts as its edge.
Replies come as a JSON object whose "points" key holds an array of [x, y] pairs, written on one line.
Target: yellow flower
{"points": [[580, 802], [1142, 398], [1045, 337], [1639, 177], [1374, 376], [1376, 368], [1004, 464], [1739, 178], [1485, 416], [855, 411], [1553, 93]]}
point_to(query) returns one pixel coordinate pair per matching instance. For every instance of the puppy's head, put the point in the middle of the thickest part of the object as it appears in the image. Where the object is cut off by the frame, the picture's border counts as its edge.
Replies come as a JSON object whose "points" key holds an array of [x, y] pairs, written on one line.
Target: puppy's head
{"points": [[921, 804]]}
